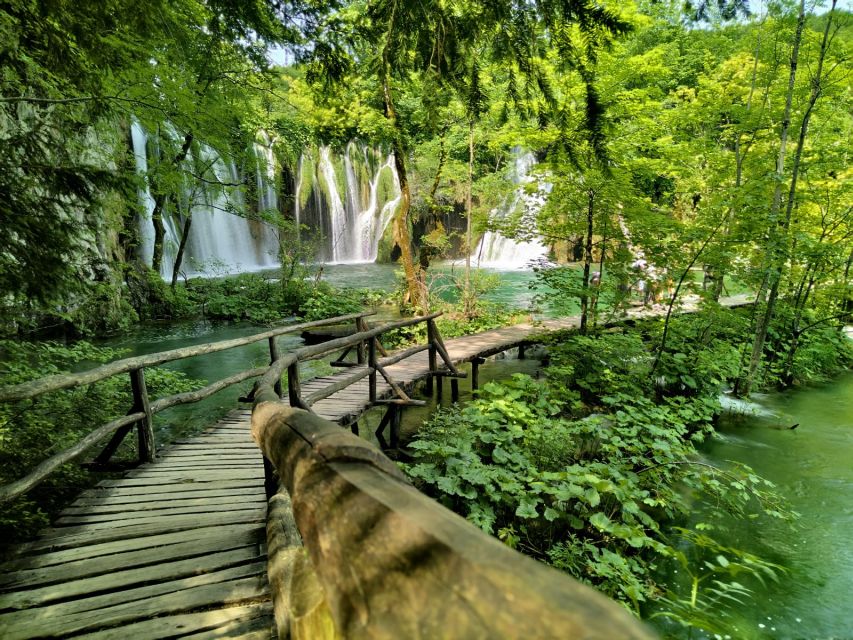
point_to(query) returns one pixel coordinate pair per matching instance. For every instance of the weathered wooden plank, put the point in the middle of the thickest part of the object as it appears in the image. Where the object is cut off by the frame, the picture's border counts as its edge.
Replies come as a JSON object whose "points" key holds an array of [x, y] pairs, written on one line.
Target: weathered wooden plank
{"points": [[123, 580], [76, 537], [105, 548], [183, 493], [151, 507], [197, 625], [196, 478], [118, 490], [103, 521], [68, 618], [53, 573]]}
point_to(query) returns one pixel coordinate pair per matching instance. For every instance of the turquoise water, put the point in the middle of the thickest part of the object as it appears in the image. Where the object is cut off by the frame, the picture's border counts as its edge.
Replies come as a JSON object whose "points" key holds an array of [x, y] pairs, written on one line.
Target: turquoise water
{"points": [[512, 290], [812, 467], [154, 337]]}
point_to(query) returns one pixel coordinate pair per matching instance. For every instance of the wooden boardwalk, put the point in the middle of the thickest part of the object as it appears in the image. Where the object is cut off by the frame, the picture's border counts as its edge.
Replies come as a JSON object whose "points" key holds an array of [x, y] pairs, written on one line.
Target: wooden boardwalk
{"points": [[345, 407], [177, 548], [174, 549]]}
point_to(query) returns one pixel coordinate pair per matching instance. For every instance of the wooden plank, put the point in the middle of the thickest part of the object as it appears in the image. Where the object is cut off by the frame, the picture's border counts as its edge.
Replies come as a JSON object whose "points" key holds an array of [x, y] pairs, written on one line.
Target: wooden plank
{"points": [[67, 619], [151, 507], [102, 521], [119, 546], [123, 580], [198, 478], [155, 497], [85, 567], [204, 624], [75, 537], [118, 490]]}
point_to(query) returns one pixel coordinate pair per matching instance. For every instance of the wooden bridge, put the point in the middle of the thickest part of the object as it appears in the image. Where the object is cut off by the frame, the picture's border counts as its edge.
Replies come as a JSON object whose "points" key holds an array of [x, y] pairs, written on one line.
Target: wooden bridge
{"points": [[206, 540]]}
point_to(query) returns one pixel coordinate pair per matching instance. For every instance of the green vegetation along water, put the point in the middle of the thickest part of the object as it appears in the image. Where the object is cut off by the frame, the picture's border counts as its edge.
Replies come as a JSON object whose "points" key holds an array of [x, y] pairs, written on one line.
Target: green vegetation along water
{"points": [[813, 467]]}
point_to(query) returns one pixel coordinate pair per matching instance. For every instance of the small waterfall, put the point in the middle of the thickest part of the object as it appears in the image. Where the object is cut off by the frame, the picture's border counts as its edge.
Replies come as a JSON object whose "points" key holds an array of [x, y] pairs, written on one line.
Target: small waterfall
{"points": [[265, 174], [219, 242], [351, 223], [342, 229], [496, 250], [139, 139]]}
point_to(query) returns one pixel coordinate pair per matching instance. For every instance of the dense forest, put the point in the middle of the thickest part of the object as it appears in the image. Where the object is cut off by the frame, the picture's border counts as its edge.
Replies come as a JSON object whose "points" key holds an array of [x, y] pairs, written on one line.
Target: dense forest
{"points": [[647, 153]]}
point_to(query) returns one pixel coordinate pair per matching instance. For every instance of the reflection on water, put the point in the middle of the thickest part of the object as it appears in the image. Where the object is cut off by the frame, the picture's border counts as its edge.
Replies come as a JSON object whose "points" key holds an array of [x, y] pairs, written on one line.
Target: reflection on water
{"points": [[813, 468]]}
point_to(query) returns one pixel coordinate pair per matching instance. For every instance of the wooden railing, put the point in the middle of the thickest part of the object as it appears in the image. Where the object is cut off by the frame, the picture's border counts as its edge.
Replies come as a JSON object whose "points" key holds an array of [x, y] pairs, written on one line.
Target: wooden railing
{"points": [[143, 409], [356, 552]]}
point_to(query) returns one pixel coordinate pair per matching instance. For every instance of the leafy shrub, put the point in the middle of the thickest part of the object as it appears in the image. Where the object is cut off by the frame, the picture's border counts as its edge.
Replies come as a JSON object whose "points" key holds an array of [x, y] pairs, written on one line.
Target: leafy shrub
{"points": [[325, 301], [589, 469]]}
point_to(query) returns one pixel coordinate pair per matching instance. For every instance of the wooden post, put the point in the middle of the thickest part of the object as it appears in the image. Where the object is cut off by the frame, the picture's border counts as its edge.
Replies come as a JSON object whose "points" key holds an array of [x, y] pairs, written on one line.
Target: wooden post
{"points": [[371, 362], [294, 392], [274, 355], [433, 366], [360, 325], [145, 427], [475, 373], [396, 419], [270, 479], [454, 389]]}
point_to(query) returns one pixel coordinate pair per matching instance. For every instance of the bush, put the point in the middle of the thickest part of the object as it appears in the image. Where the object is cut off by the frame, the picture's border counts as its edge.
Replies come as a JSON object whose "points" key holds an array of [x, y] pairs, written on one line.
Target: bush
{"points": [[590, 470]]}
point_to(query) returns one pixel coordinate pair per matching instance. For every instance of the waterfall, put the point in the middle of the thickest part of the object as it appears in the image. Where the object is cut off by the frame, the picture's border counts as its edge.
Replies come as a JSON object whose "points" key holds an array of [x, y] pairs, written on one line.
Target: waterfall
{"points": [[347, 200], [220, 242], [496, 250], [350, 224]]}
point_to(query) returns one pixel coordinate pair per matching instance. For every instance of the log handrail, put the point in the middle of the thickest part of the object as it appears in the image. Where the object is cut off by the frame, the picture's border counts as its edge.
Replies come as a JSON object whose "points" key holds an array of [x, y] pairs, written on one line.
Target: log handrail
{"points": [[385, 561], [143, 409], [33, 388]]}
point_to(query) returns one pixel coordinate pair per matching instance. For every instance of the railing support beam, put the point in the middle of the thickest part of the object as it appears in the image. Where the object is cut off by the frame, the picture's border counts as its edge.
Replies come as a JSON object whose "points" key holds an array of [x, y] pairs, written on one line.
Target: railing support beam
{"points": [[145, 427]]}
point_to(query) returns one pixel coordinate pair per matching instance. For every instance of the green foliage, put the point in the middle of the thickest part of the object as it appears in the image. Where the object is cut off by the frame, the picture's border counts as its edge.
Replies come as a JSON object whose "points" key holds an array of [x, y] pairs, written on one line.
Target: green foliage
{"points": [[33, 430], [327, 302], [592, 467]]}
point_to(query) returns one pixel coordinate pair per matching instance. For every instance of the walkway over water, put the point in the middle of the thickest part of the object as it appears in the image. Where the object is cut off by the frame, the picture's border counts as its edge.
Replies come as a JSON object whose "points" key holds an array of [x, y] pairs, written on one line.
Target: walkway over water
{"points": [[175, 548], [178, 546]]}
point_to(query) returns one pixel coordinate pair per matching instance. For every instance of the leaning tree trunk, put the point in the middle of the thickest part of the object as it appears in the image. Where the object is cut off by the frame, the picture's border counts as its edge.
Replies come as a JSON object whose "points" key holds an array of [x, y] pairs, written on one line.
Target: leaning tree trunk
{"points": [[468, 295], [779, 227], [400, 223], [160, 201], [179, 258]]}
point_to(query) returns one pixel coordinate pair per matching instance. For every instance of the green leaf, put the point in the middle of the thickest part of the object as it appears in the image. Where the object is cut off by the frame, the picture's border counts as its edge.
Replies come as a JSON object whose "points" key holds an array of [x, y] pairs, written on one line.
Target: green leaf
{"points": [[600, 521]]}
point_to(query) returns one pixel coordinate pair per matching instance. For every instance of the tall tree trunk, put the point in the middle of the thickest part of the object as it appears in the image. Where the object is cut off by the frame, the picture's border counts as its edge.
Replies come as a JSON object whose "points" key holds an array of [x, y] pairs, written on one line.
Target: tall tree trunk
{"points": [[400, 222], [468, 295], [777, 226], [740, 155], [179, 258], [160, 200], [597, 294], [587, 260]]}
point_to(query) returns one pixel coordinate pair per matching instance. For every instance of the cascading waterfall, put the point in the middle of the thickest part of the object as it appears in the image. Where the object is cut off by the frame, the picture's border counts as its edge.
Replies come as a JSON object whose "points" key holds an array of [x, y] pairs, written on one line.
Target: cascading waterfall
{"points": [[219, 242], [496, 250], [347, 200], [350, 224]]}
